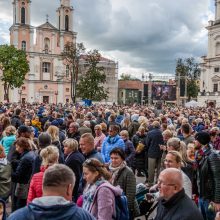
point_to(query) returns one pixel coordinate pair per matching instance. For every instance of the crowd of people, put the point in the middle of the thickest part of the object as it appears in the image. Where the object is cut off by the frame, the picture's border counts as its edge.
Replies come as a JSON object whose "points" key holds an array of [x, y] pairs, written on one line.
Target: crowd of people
{"points": [[74, 162]]}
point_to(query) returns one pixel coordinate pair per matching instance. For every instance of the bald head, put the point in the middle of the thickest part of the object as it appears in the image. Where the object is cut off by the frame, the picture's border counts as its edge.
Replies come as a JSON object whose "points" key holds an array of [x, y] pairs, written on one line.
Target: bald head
{"points": [[170, 182]]}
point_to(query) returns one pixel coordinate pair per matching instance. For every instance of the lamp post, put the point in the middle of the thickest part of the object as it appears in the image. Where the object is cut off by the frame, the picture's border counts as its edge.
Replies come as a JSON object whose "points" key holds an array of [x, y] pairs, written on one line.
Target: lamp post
{"points": [[20, 93], [60, 76], [56, 94]]}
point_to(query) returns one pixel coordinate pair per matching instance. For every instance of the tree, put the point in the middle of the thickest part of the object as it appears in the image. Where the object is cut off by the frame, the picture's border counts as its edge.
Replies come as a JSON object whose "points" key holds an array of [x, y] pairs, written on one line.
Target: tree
{"points": [[125, 76], [14, 65], [71, 55], [91, 83], [188, 71]]}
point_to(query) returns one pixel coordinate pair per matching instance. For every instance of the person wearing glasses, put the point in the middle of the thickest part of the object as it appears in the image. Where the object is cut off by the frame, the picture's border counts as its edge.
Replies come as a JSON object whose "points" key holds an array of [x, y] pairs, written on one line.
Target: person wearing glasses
{"points": [[174, 204], [99, 194]]}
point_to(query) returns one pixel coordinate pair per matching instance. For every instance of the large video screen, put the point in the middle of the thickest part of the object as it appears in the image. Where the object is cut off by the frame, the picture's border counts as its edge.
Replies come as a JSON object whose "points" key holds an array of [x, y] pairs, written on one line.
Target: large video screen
{"points": [[164, 92]]}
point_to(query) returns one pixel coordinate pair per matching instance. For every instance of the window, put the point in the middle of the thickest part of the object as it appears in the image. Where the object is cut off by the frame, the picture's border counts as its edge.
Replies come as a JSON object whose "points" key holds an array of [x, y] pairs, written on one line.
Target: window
{"points": [[216, 69], [67, 70], [23, 45], [46, 67], [67, 89], [46, 45], [23, 15], [215, 87], [23, 87], [218, 48], [66, 23]]}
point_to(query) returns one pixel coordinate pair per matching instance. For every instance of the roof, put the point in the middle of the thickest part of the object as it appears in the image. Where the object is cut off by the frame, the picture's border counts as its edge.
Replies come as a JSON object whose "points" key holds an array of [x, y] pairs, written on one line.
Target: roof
{"points": [[47, 25], [101, 59]]}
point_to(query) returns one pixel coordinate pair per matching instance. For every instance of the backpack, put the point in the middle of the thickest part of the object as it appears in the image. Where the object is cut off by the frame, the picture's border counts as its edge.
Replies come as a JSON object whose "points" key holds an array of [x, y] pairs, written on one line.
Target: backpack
{"points": [[121, 207]]}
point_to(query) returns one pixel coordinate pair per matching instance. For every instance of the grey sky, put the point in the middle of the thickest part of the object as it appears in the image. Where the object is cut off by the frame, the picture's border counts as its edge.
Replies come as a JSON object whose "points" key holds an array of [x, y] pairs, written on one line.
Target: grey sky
{"points": [[142, 35]]}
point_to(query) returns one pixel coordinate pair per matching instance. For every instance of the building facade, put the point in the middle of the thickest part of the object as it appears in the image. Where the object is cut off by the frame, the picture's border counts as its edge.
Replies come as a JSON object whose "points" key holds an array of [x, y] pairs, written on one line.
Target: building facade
{"points": [[210, 66], [48, 80]]}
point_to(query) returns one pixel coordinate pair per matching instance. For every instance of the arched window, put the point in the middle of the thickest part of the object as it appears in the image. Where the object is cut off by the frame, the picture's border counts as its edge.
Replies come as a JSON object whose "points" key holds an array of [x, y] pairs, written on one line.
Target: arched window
{"points": [[67, 71], [66, 23], [218, 48], [46, 45], [23, 15], [23, 45]]}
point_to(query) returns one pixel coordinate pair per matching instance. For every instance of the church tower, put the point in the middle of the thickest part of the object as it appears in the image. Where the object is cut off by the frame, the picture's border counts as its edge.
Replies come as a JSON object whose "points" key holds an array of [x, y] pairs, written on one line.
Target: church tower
{"points": [[21, 32], [65, 16], [210, 66], [65, 23]]}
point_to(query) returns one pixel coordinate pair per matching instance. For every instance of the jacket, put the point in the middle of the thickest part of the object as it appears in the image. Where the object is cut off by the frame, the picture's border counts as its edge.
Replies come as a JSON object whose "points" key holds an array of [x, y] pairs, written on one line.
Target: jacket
{"points": [[208, 176], [127, 181], [103, 207], [51, 208], [129, 152], [35, 189], [22, 173], [154, 139], [5, 178], [15, 121], [7, 142], [178, 207], [110, 143], [74, 161]]}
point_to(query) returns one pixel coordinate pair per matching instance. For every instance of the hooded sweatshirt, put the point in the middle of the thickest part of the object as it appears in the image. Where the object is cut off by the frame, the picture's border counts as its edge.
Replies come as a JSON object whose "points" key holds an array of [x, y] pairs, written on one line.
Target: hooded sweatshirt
{"points": [[51, 208]]}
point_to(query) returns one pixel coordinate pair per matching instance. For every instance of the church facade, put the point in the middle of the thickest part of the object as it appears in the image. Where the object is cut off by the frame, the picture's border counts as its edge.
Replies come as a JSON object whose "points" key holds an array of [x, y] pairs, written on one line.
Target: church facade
{"points": [[210, 66], [49, 80]]}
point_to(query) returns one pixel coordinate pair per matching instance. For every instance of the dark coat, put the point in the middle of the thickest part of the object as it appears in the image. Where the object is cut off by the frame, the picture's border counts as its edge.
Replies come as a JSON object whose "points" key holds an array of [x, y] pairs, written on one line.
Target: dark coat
{"points": [[127, 182], [75, 136], [75, 161], [153, 142], [22, 170], [180, 206], [15, 121], [139, 162], [129, 152]]}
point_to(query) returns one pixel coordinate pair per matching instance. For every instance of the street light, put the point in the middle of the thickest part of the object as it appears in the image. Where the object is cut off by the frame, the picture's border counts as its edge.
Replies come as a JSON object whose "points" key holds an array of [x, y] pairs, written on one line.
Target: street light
{"points": [[56, 94], [20, 93]]}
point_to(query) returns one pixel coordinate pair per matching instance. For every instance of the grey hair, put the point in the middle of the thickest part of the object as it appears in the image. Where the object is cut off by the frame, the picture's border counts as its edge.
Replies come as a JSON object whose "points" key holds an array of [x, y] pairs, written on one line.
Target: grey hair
{"points": [[58, 175]]}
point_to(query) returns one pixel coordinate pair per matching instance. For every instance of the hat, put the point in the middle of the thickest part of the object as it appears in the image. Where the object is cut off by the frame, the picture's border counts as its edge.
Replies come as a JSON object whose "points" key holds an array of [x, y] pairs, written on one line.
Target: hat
{"points": [[23, 129], [134, 117], [203, 137], [55, 123]]}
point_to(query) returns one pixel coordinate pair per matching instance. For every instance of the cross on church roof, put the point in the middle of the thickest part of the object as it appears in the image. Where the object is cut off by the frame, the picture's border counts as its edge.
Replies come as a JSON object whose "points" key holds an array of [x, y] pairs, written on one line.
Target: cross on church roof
{"points": [[47, 17]]}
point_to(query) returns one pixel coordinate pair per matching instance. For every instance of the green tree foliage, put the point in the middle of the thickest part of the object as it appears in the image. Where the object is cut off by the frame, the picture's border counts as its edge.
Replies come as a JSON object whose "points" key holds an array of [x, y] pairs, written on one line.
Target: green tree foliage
{"points": [[91, 83], [14, 65], [188, 70], [125, 76], [71, 55]]}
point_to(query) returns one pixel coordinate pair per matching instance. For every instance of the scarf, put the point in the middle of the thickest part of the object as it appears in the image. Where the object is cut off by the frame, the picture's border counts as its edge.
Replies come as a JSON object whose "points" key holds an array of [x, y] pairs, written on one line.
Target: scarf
{"points": [[88, 194], [115, 170], [3, 161]]}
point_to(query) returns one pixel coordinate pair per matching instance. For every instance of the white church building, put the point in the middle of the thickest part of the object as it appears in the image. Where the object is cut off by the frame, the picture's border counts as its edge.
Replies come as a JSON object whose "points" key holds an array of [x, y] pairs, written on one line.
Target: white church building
{"points": [[210, 66], [49, 78]]}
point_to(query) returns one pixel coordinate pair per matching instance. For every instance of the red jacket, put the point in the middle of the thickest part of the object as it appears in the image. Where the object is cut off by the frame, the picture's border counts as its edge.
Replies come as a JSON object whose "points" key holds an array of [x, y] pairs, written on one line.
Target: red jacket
{"points": [[35, 189]]}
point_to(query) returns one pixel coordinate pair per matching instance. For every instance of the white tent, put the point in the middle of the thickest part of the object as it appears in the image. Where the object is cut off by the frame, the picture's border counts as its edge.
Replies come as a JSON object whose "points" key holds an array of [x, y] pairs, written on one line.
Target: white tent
{"points": [[192, 103]]}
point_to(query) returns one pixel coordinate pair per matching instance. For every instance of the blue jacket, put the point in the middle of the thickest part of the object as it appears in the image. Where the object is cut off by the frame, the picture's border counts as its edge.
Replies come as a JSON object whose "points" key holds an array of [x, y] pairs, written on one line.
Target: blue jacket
{"points": [[108, 144], [55, 212]]}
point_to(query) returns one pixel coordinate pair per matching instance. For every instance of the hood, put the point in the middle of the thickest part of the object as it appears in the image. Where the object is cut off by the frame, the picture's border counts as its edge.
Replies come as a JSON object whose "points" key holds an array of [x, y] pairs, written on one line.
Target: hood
{"points": [[114, 139], [115, 189], [119, 119], [51, 207]]}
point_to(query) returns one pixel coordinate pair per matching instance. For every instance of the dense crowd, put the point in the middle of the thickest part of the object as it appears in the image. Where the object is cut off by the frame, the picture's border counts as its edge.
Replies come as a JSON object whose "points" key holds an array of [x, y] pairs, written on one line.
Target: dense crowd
{"points": [[77, 162]]}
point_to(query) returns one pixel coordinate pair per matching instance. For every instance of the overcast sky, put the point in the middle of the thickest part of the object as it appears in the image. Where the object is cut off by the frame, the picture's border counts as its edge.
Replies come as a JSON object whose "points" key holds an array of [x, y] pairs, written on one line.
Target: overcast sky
{"points": [[142, 35]]}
